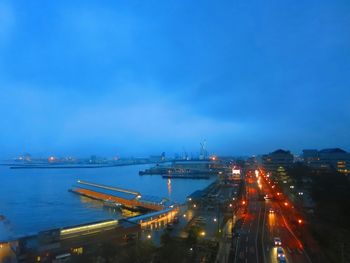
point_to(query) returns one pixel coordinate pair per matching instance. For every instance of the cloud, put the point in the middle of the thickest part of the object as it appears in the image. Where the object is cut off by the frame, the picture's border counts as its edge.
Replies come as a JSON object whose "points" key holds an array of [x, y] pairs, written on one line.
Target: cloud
{"points": [[55, 120], [143, 76]]}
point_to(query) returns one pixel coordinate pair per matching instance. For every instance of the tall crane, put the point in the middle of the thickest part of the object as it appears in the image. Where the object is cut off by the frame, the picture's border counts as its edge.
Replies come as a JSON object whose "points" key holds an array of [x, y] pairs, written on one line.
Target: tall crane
{"points": [[203, 150]]}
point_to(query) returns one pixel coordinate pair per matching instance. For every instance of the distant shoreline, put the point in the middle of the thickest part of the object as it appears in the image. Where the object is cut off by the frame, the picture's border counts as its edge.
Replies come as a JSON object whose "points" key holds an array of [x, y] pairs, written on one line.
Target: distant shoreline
{"points": [[64, 166]]}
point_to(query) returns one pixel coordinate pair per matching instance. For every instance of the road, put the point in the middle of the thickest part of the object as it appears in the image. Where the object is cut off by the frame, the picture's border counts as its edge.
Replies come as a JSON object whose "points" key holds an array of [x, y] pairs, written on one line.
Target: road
{"points": [[6, 254], [247, 243], [277, 226], [255, 243]]}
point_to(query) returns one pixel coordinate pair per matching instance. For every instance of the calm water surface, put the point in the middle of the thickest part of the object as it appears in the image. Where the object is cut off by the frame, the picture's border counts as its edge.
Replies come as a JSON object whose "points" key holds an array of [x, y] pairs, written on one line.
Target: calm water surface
{"points": [[38, 199]]}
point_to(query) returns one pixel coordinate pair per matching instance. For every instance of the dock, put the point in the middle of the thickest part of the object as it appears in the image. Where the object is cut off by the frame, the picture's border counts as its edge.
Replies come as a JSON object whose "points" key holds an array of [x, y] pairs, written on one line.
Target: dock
{"points": [[128, 198]]}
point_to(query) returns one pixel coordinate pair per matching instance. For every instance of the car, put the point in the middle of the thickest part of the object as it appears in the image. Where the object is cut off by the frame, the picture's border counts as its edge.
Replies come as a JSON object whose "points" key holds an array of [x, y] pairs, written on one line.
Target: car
{"points": [[200, 223], [170, 226], [130, 238], [277, 241], [271, 211], [280, 255], [211, 208]]}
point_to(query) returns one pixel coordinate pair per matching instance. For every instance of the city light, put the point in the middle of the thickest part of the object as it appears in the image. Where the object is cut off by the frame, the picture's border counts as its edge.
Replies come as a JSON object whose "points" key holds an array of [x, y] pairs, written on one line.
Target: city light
{"points": [[203, 233], [194, 205], [285, 203], [243, 202], [215, 219], [230, 205], [74, 230], [149, 236], [300, 221]]}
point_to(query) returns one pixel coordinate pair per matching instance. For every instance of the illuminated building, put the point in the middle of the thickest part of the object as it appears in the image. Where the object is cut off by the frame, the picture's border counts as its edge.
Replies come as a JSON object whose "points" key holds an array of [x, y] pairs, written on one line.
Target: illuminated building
{"points": [[58, 245], [277, 161], [328, 159]]}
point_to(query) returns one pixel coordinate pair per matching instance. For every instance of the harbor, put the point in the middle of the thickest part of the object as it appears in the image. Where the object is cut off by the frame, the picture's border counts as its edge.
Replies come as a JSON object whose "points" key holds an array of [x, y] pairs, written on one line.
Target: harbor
{"points": [[60, 243], [42, 201], [157, 215], [125, 211], [187, 169]]}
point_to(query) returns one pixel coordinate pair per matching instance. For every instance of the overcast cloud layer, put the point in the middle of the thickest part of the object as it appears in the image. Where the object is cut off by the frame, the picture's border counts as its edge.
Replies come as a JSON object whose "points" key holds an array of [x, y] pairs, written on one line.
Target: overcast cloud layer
{"points": [[142, 77]]}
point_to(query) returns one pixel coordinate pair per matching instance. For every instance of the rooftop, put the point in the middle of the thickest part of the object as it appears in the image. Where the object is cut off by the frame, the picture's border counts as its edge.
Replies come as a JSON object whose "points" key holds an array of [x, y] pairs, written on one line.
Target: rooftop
{"points": [[280, 151], [333, 150], [110, 192]]}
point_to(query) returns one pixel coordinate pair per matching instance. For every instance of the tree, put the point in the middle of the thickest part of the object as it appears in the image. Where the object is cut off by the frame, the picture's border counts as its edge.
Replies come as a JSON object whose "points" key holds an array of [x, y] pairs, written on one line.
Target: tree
{"points": [[192, 238]]}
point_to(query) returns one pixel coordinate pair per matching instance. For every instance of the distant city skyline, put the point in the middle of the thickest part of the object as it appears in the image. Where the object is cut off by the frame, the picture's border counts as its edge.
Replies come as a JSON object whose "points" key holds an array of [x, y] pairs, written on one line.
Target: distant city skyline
{"points": [[170, 155], [134, 79]]}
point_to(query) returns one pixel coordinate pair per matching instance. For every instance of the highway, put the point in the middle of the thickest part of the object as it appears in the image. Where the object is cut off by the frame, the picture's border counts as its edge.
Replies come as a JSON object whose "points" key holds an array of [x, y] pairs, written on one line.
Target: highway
{"points": [[262, 221], [277, 226]]}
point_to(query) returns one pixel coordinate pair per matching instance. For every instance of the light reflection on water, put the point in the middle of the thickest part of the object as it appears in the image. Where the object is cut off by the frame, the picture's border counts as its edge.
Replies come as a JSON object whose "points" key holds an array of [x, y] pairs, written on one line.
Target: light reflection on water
{"points": [[38, 199]]}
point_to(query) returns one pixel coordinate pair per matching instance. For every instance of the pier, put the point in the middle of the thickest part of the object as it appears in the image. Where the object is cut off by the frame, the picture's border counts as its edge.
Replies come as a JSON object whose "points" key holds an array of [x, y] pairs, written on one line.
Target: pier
{"points": [[127, 198]]}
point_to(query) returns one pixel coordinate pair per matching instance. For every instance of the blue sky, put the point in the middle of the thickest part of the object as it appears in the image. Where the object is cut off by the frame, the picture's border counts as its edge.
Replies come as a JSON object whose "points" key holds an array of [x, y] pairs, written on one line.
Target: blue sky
{"points": [[140, 77]]}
